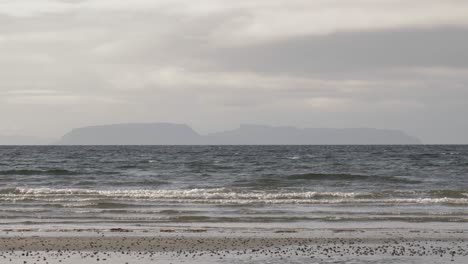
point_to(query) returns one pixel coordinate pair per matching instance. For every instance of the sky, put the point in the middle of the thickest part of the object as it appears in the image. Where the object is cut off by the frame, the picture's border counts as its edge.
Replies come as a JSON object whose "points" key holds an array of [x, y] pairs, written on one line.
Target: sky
{"points": [[215, 64]]}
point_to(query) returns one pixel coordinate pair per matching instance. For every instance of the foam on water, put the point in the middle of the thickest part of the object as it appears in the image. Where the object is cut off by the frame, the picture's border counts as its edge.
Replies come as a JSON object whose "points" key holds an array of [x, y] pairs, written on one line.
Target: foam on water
{"points": [[262, 184], [215, 196]]}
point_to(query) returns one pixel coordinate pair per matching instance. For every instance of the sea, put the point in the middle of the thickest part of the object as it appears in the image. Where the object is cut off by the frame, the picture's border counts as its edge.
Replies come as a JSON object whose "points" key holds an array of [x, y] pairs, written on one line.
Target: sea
{"points": [[146, 187]]}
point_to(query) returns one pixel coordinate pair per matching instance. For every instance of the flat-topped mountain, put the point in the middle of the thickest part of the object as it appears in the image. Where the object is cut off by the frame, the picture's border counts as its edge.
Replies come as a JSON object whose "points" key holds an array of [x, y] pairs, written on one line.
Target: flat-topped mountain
{"points": [[267, 135], [179, 134], [133, 134]]}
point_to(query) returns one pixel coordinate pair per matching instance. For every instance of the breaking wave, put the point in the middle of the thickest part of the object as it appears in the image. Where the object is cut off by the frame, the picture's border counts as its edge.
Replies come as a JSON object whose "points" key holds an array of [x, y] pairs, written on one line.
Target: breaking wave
{"points": [[104, 198]]}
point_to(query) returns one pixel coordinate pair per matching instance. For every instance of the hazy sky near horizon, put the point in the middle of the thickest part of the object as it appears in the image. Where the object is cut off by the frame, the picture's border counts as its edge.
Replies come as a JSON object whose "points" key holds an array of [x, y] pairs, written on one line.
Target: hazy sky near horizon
{"points": [[214, 64]]}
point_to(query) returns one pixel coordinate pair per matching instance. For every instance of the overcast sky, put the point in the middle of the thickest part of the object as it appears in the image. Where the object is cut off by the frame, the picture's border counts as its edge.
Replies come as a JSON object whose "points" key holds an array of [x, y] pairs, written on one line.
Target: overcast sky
{"points": [[215, 64]]}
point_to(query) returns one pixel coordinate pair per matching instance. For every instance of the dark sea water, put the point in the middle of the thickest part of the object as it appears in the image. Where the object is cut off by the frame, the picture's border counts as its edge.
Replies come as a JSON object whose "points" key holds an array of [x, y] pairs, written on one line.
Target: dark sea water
{"points": [[301, 186]]}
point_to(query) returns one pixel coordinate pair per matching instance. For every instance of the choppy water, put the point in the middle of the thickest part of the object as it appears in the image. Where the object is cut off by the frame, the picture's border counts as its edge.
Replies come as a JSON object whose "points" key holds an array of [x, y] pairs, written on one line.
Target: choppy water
{"points": [[302, 185]]}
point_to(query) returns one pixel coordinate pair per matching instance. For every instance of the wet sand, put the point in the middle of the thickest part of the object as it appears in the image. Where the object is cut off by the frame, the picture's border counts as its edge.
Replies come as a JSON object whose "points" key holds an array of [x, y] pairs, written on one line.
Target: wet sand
{"points": [[235, 246]]}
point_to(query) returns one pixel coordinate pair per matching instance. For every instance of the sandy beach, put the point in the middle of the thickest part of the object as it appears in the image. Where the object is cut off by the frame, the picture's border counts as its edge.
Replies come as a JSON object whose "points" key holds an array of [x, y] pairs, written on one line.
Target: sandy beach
{"points": [[235, 246]]}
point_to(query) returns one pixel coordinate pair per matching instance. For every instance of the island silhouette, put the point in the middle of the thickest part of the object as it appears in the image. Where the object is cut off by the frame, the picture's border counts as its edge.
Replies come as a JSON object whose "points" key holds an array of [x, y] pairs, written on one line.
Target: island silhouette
{"points": [[181, 134]]}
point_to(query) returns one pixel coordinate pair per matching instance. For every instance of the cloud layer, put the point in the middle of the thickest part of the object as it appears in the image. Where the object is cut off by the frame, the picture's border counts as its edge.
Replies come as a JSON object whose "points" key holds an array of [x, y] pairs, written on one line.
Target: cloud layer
{"points": [[215, 64]]}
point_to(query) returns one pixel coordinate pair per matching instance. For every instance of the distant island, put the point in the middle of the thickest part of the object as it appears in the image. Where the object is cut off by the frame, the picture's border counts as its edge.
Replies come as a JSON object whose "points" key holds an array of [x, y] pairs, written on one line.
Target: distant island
{"points": [[180, 134]]}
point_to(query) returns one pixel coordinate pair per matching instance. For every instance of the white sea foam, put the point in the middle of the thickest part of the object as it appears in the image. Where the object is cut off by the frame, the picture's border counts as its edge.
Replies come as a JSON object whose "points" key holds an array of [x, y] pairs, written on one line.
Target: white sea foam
{"points": [[214, 196]]}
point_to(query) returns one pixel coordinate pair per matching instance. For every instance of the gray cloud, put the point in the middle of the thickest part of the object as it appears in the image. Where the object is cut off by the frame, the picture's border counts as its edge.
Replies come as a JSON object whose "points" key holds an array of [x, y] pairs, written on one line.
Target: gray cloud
{"points": [[215, 64], [353, 51]]}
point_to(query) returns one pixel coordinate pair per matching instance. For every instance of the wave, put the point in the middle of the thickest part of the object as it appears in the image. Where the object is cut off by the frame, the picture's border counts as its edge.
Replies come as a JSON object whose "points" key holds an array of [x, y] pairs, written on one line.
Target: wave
{"points": [[327, 176], [288, 219], [135, 183], [449, 193], [215, 193], [107, 198], [38, 172], [272, 181], [350, 177]]}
